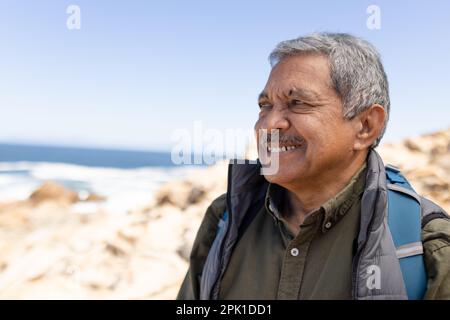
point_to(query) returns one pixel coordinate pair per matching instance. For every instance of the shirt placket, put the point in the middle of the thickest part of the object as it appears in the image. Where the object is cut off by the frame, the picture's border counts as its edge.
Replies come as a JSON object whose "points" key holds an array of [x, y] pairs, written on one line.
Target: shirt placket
{"points": [[294, 263]]}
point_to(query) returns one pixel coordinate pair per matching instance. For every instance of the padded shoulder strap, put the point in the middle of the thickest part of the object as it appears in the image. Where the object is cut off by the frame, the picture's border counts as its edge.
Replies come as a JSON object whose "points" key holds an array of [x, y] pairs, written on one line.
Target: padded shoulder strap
{"points": [[404, 219]]}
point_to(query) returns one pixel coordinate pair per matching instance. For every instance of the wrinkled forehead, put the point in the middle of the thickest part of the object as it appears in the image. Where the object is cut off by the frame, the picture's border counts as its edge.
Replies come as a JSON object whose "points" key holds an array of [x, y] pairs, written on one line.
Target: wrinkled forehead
{"points": [[308, 73]]}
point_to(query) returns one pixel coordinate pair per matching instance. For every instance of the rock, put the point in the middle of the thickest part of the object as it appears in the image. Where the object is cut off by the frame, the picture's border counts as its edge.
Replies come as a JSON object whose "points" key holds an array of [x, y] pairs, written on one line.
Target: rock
{"points": [[180, 194], [194, 190], [84, 195], [54, 192], [195, 195], [188, 237], [95, 197], [175, 193], [442, 161], [425, 161]]}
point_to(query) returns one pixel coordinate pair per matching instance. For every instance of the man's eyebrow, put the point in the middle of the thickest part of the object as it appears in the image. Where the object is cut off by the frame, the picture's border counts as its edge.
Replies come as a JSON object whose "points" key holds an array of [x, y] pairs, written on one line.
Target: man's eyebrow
{"points": [[263, 95], [303, 93], [294, 93]]}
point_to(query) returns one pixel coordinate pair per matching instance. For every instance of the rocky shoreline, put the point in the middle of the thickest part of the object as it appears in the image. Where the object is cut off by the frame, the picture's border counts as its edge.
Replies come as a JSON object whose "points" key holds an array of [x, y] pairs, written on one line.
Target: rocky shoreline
{"points": [[51, 251]]}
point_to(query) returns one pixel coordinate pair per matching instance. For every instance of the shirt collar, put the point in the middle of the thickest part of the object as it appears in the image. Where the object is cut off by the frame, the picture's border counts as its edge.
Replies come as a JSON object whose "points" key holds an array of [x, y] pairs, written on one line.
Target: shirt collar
{"points": [[332, 210]]}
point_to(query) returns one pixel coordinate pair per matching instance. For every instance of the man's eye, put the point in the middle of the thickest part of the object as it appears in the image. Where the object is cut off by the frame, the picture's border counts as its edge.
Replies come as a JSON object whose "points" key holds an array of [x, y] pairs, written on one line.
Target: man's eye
{"points": [[297, 103], [265, 106]]}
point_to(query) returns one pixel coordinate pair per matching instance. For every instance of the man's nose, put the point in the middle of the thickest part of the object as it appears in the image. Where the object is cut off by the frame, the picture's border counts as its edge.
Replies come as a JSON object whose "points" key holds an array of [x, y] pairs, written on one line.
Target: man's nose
{"points": [[277, 119]]}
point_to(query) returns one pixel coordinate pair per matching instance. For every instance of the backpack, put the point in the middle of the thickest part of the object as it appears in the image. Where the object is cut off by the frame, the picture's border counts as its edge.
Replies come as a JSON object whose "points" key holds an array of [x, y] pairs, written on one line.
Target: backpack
{"points": [[405, 224]]}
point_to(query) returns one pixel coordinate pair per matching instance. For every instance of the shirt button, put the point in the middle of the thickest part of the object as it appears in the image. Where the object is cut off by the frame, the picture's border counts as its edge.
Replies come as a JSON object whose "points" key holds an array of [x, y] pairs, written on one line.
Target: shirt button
{"points": [[328, 225], [294, 252]]}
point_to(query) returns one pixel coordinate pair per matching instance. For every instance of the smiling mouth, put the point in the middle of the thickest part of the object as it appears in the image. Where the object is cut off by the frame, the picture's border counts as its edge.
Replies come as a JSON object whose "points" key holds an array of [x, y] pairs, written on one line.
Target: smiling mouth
{"points": [[282, 149]]}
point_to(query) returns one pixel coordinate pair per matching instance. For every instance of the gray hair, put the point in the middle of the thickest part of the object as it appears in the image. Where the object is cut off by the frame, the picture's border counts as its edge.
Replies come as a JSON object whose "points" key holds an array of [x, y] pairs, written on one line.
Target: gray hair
{"points": [[357, 73]]}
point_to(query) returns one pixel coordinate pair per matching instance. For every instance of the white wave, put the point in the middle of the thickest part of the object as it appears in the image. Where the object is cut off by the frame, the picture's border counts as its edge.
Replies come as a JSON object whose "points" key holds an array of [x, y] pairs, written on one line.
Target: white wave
{"points": [[16, 188], [124, 189]]}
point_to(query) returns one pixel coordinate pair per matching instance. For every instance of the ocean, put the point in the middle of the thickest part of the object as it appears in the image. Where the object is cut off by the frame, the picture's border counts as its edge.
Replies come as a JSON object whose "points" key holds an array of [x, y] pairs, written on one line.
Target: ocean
{"points": [[128, 179]]}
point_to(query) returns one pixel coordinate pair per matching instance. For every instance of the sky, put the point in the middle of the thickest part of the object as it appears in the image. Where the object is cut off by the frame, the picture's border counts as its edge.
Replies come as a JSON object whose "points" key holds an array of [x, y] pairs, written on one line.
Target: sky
{"points": [[137, 71]]}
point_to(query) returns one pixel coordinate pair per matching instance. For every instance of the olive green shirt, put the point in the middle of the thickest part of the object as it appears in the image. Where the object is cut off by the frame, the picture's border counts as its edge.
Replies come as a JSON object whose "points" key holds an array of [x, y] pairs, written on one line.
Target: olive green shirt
{"points": [[269, 262], [315, 264]]}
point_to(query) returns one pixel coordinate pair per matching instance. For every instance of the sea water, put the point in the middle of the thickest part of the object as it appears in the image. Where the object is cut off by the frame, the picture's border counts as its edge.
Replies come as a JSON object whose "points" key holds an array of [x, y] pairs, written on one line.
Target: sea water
{"points": [[128, 179]]}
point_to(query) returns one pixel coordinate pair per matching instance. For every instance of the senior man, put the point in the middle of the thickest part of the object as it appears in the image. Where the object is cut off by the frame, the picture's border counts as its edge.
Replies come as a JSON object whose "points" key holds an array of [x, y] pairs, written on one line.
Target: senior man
{"points": [[320, 227]]}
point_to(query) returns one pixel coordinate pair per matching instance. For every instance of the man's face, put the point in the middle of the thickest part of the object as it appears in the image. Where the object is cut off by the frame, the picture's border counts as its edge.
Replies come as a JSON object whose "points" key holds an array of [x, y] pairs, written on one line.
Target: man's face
{"points": [[299, 101]]}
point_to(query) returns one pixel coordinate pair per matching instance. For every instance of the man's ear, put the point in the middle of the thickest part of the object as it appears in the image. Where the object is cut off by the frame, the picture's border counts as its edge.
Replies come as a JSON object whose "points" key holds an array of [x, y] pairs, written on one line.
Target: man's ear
{"points": [[369, 126]]}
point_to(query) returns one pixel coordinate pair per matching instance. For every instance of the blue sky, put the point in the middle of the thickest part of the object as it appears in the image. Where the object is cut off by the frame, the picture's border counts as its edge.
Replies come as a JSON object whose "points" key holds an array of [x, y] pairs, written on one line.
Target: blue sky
{"points": [[138, 70]]}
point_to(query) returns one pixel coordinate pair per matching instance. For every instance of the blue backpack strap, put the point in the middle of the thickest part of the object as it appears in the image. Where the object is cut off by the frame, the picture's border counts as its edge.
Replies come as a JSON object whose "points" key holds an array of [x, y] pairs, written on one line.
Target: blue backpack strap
{"points": [[222, 222], [404, 219]]}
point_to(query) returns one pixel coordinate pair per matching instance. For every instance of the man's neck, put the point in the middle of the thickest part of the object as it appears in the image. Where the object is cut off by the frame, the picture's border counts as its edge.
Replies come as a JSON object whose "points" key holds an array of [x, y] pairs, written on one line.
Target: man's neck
{"points": [[305, 198]]}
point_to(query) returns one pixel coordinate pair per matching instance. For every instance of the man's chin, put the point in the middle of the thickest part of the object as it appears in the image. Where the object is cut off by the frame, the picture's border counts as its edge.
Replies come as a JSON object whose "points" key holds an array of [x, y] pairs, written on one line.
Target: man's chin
{"points": [[282, 177]]}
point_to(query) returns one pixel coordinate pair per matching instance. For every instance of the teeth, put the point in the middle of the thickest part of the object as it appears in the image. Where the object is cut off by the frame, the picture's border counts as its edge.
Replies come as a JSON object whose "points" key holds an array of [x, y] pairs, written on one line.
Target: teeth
{"points": [[281, 149]]}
